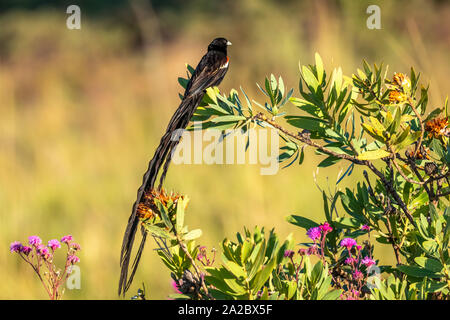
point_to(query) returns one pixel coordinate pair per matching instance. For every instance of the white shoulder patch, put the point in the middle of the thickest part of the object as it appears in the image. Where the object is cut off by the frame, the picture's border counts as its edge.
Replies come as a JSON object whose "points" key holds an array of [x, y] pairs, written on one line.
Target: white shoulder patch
{"points": [[224, 66]]}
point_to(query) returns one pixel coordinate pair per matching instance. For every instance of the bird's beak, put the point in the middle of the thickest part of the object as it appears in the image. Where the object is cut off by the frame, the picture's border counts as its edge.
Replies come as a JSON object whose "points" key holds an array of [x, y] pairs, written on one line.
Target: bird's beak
{"points": [[228, 43]]}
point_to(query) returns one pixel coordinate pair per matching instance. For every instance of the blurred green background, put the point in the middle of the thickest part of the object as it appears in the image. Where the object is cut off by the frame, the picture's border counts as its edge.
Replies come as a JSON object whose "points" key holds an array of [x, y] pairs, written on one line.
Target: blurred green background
{"points": [[83, 110]]}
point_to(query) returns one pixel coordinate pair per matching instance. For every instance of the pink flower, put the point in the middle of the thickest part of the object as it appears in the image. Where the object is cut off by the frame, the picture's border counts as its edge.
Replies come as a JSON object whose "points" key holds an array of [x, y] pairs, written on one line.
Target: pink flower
{"points": [[43, 251], [75, 246], [348, 243], [358, 247], [34, 240], [312, 250], [175, 286], [289, 254], [350, 260], [54, 244], [16, 246], [66, 239], [314, 233], [26, 250], [365, 227], [201, 253], [326, 227], [358, 275], [368, 262], [73, 259]]}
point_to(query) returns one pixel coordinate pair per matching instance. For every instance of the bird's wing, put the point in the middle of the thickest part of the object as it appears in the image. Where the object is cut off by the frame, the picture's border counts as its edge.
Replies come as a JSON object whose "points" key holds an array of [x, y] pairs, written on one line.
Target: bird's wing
{"points": [[209, 72]]}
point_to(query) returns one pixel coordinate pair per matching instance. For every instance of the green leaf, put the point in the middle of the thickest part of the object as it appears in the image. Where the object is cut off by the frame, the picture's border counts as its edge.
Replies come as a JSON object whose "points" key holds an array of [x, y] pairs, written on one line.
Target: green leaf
{"points": [[316, 272], [302, 155], [332, 295], [346, 222], [308, 107], [158, 231], [308, 123], [329, 161], [217, 277], [309, 78], [410, 139], [257, 257], [179, 296], [164, 214], [262, 276], [430, 246], [183, 82], [194, 234], [416, 271], [376, 134], [319, 68], [373, 155], [301, 222], [430, 264], [180, 214], [326, 209], [234, 268], [324, 285], [281, 86], [228, 119], [336, 80], [217, 109], [436, 146], [246, 250], [377, 124], [237, 288], [402, 136], [396, 123]]}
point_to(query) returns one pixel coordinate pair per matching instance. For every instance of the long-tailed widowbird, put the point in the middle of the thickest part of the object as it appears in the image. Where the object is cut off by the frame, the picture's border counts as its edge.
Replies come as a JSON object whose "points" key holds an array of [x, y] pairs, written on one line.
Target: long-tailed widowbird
{"points": [[209, 72]]}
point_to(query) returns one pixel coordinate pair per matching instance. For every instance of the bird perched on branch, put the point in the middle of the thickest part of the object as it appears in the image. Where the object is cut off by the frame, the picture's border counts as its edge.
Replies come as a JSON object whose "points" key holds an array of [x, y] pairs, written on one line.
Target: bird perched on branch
{"points": [[209, 72]]}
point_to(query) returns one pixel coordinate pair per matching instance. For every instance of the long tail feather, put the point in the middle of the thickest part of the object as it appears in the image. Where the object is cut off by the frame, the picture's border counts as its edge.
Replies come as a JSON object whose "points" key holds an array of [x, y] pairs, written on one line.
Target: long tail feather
{"points": [[162, 156]]}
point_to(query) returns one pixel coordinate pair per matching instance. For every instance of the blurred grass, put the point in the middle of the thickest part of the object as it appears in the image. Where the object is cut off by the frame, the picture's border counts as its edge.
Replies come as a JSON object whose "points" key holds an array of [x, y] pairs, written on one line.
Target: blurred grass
{"points": [[82, 112]]}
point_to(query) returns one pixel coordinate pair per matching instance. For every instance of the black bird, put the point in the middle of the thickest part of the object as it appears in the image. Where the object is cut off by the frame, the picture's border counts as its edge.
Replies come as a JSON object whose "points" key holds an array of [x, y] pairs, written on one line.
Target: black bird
{"points": [[209, 72]]}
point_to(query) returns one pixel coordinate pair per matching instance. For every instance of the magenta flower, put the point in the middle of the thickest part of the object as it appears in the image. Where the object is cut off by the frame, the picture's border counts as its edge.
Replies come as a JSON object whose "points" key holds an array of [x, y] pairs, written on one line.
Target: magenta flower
{"points": [[312, 250], [175, 286], [34, 240], [16, 246], [350, 260], [354, 295], [73, 259], [26, 250], [368, 262], [43, 251], [358, 247], [54, 244], [288, 253], [326, 227], [75, 246], [358, 275], [314, 233], [348, 243], [201, 253], [66, 239], [365, 227], [40, 257]]}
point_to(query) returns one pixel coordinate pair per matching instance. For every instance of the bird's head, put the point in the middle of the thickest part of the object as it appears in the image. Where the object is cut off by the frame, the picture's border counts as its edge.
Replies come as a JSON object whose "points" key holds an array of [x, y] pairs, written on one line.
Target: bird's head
{"points": [[219, 44]]}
